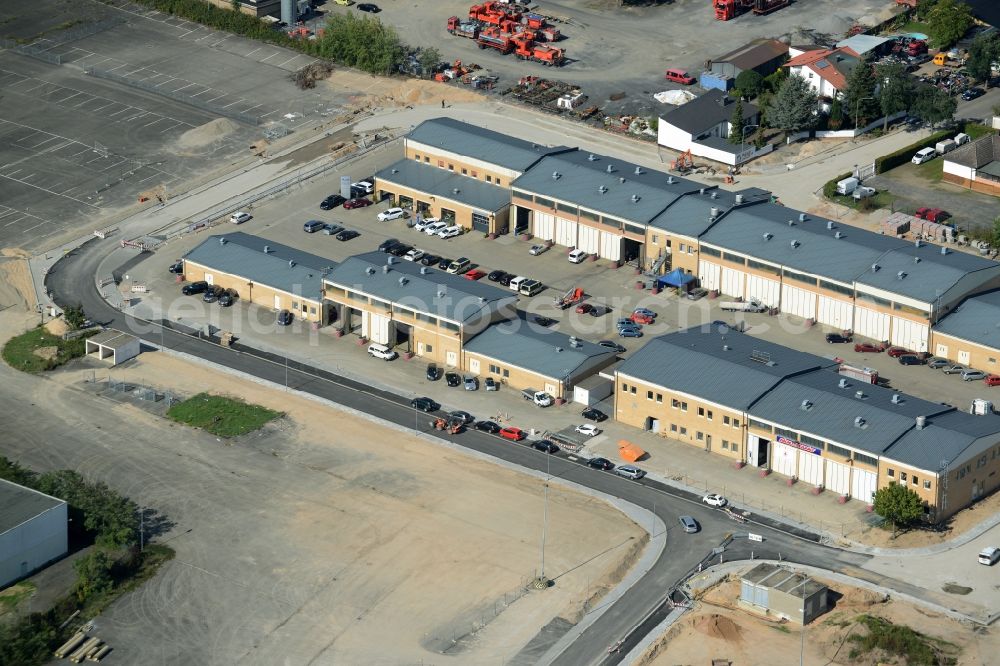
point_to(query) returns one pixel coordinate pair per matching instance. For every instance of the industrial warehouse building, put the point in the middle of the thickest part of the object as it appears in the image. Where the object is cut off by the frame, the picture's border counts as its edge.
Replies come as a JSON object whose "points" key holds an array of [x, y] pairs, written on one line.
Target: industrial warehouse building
{"points": [[33, 531], [969, 335], [779, 409], [262, 272], [782, 593], [975, 165]]}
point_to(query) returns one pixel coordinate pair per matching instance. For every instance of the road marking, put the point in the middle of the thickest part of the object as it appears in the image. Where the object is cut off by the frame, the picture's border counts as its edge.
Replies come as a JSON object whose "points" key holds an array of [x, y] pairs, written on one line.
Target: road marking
{"points": [[288, 61], [268, 57], [254, 51]]}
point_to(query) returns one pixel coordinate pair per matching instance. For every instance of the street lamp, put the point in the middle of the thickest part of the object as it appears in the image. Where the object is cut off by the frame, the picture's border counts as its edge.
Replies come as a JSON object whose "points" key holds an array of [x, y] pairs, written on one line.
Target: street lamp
{"points": [[885, 113]]}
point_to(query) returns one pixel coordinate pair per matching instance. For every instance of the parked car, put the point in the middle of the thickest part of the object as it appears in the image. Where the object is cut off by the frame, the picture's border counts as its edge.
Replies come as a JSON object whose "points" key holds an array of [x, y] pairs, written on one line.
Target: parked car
{"points": [[450, 232], [645, 312], [601, 463], [434, 227], [715, 500], [460, 265], [414, 255], [932, 214], [599, 311], [611, 344], [697, 293], [537, 250], [424, 222], [689, 524], [938, 363], [973, 93], [531, 287], [492, 427], [430, 259], [368, 7], [896, 352], [444, 263], [312, 226], [545, 445], [641, 318], [512, 433], [588, 429], [471, 384], [953, 369], [348, 234], [630, 472], [453, 379], [923, 155], [284, 318], [386, 244], [212, 294], [331, 202], [624, 321], [989, 556], [359, 202], [400, 249], [543, 321], [592, 414], [490, 384], [433, 372], [465, 417], [239, 217], [194, 288], [629, 333], [576, 256], [584, 308], [376, 350], [910, 359], [505, 279], [494, 276], [837, 338], [973, 375], [391, 214], [332, 229], [474, 274], [228, 298], [992, 380], [425, 404], [176, 268], [679, 76]]}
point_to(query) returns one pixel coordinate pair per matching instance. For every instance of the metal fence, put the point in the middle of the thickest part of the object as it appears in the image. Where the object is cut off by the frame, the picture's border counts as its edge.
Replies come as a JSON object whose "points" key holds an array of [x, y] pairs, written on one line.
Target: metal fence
{"points": [[190, 100], [141, 392], [32, 51], [41, 51]]}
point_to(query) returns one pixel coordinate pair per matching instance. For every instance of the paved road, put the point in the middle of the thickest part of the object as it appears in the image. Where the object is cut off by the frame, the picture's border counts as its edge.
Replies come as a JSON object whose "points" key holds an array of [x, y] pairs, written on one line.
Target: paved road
{"points": [[72, 282]]}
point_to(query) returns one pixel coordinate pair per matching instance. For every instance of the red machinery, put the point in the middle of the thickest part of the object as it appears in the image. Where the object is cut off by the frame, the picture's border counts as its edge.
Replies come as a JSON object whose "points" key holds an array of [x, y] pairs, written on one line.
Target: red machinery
{"points": [[463, 29], [492, 13], [726, 10], [491, 38]]}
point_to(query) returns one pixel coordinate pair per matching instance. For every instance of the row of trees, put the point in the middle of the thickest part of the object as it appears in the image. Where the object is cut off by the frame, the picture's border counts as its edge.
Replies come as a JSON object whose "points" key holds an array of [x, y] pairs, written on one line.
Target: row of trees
{"points": [[947, 20]]}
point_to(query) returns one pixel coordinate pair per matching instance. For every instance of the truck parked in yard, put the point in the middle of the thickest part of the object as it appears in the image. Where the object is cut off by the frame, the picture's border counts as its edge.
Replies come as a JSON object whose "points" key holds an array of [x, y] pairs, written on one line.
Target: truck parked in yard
{"points": [[743, 306], [540, 398]]}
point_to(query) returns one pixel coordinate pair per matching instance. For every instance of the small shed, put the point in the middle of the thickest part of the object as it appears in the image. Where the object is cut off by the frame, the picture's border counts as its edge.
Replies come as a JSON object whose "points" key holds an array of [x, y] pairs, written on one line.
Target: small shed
{"points": [[784, 593], [592, 390], [117, 346]]}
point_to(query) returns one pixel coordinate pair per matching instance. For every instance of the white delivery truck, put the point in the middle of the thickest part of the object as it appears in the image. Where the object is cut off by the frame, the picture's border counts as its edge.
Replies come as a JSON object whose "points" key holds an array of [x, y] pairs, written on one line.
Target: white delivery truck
{"points": [[743, 306]]}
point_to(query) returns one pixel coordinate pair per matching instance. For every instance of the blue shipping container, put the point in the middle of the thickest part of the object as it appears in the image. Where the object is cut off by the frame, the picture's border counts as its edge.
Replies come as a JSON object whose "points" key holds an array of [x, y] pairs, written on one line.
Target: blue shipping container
{"points": [[712, 81]]}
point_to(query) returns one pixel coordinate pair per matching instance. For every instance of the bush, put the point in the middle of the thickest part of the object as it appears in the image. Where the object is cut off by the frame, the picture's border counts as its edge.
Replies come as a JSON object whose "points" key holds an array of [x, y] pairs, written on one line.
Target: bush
{"points": [[19, 351], [904, 155]]}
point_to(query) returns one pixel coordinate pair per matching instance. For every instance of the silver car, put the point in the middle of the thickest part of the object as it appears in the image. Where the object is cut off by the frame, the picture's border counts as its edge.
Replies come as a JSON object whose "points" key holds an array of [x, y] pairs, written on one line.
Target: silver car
{"points": [[689, 524], [537, 249], [630, 472], [972, 375], [954, 369], [938, 363]]}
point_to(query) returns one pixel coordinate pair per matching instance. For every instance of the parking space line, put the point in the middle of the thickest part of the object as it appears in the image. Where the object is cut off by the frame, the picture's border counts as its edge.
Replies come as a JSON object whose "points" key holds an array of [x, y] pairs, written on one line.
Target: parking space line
{"points": [[185, 87], [268, 57], [215, 98], [231, 103], [152, 123], [288, 61], [201, 93], [254, 51]]}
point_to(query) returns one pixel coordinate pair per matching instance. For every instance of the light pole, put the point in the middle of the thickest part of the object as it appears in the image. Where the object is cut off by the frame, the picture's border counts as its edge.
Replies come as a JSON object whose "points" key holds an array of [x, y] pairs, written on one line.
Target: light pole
{"points": [[545, 514], [885, 113], [743, 136], [857, 106]]}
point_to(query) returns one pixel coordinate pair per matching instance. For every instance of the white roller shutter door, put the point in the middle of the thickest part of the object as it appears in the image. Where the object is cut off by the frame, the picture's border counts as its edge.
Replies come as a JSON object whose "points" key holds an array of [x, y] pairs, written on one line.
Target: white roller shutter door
{"points": [[811, 468], [871, 324], [768, 292], [911, 335], [798, 302], [732, 282], [589, 239], [379, 329], [545, 226], [708, 275], [365, 328], [611, 245], [783, 460], [863, 485], [835, 312], [565, 232], [838, 477]]}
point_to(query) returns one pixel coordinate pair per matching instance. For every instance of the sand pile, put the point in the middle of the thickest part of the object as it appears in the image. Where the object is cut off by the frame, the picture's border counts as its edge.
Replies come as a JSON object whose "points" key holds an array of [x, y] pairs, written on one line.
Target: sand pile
{"points": [[718, 626], [57, 326], [47, 353], [207, 134]]}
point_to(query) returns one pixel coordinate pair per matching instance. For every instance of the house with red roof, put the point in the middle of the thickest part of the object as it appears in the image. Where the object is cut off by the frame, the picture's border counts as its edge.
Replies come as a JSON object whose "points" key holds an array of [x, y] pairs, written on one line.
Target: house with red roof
{"points": [[825, 70]]}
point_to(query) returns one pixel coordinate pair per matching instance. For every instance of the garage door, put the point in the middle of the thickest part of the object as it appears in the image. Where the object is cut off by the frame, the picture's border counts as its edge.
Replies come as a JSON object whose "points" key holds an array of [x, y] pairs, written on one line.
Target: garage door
{"points": [[545, 226], [708, 275], [378, 329], [909, 334], [838, 478], [481, 221], [565, 232], [768, 292], [732, 282], [835, 312], [589, 239], [798, 302], [811, 468], [863, 485], [784, 459], [611, 245], [871, 324]]}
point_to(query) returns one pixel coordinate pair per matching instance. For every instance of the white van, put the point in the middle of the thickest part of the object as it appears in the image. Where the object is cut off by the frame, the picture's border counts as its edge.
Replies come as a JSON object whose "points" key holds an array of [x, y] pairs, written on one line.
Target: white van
{"points": [[989, 556], [381, 351], [847, 186], [923, 155], [515, 283], [530, 287], [577, 256]]}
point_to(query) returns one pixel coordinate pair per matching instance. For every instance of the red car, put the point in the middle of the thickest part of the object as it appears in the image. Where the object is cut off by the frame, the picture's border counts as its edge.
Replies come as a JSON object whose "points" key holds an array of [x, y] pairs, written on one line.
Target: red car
{"points": [[640, 318], [896, 352], [510, 432], [474, 274], [932, 214], [865, 347], [992, 380], [356, 203], [584, 308]]}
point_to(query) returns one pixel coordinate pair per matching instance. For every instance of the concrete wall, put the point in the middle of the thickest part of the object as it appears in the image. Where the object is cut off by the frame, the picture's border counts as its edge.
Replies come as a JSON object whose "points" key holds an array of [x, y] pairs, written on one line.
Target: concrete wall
{"points": [[33, 544], [309, 309]]}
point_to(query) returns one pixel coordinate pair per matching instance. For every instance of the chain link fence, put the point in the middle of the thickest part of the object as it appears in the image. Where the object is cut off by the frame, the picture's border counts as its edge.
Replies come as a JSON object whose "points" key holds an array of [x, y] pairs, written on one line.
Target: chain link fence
{"points": [[42, 51], [140, 391]]}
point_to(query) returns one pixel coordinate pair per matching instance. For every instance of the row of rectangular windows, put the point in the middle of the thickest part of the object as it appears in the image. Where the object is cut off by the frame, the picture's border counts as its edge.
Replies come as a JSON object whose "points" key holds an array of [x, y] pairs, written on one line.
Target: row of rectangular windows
{"points": [[914, 479], [465, 172]]}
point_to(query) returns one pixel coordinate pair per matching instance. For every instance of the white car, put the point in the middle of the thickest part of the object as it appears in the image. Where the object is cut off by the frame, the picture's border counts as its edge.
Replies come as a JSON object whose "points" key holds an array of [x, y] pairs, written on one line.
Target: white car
{"points": [[715, 500], [363, 186], [239, 217], [450, 232], [537, 250], [434, 227], [588, 429], [390, 214], [576, 256], [924, 155], [424, 223], [414, 255]]}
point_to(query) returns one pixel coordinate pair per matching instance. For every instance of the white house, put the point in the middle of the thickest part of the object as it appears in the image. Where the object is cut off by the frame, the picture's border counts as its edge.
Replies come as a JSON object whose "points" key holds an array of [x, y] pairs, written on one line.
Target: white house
{"points": [[825, 70], [703, 127]]}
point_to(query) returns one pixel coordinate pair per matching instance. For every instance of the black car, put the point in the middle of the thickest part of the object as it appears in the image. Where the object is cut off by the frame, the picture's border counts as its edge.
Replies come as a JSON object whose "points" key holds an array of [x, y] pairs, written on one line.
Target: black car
{"points": [[347, 234], [594, 415], [176, 268], [494, 276], [910, 359], [973, 93], [491, 427], [453, 379], [430, 260], [332, 201], [424, 404], [368, 7], [284, 318], [433, 372], [444, 263], [599, 310], [194, 288], [544, 445], [386, 244], [212, 294], [543, 321], [505, 279], [399, 249], [601, 463], [611, 344], [228, 297], [833, 338]]}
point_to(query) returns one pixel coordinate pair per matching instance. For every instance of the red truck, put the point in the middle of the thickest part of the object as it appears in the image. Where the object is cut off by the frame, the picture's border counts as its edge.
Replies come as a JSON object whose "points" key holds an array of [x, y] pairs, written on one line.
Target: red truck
{"points": [[461, 28], [493, 41]]}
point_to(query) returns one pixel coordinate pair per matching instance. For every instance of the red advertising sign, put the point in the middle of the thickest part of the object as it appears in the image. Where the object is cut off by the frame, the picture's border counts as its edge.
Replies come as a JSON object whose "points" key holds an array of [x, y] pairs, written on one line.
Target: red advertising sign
{"points": [[798, 445]]}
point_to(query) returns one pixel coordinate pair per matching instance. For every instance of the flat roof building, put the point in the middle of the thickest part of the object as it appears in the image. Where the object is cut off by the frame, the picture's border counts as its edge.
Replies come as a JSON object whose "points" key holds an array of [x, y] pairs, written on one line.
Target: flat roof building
{"points": [[33, 531]]}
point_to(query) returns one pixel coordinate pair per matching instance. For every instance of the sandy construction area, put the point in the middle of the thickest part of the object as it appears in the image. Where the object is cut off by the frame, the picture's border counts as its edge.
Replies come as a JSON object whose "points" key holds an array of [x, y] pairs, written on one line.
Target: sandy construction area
{"points": [[389, 549]]}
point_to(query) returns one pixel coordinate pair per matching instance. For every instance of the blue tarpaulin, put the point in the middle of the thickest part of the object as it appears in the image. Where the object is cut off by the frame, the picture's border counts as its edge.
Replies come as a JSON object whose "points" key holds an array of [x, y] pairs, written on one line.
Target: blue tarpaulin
{"points": [[675, 278]]}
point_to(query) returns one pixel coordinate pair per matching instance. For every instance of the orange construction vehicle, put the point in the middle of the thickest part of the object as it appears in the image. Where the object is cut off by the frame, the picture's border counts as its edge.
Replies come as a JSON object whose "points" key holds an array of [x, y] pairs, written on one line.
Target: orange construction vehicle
{"points": [[463, 28], [726, 10], [493, 39]]}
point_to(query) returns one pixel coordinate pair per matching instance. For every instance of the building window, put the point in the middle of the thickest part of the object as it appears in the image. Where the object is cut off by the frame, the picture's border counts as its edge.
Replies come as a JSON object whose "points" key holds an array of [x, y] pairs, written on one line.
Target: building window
{"points": [[631, 389], [754, 423], [915, 480], [711, 251], [701, 411], [734, 447], [675, 403], [475, 174], [736, 423], [902, 476], [684, 430], [494, 369], [725, 445], [441, 163], [682, 247], [991, 360], [659, 398], [428, 348], [725, 420], [465, 171], [498, 182], [684, 406], [927, 485], [312, 309], [506, 373], [835, 450], [416, 157], [708, 415], [624, 387], [690, 249], [426, 160], [673, 427], [295, 305], [700, 436], [451, 167], [890, 472], [656, 239], [489, 178], [649, 395]]}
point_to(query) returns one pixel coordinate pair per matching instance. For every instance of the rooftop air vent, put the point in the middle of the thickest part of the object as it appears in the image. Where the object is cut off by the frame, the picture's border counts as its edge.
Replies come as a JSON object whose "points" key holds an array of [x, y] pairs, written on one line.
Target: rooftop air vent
{"points": [[896, 399], [425, 270], [592, 157], [291, 263], [900, 275], [859, 422], [621, 179], [916, 260], [842, 383], [838, 235], [670, 180], [390, 259], [482, 299], [875, 268], [860, 395], [805, 406], [611, 168], [403, 280], [441, 291], [370, 270], [558, 349], [638, 171], [767, 237], [602, 189], [701, 191], [267, 249], [829, 225], [802, 217], [386, 269], [791, 223], [726, 347], [944, 250], [395, 171], [921, 422], [222, 241], [635, 198], [713, 211], [739, 199], [556, 175], [794, 244], [455, 190], [715, 195]]}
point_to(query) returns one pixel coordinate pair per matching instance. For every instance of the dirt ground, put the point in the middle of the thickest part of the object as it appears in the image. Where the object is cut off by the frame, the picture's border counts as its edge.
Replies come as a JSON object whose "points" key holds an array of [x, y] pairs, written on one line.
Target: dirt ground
{"points": [[418, 527], [717, 629], [379, 92]]}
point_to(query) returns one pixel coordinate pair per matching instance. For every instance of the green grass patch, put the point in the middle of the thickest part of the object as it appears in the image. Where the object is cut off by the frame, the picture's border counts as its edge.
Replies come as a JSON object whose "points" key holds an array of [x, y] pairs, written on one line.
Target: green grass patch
{"points": [[221, 416], [930, 171], [880, 200], [977, 130], [15, 594], [914, 26], [153, 557], [780, 627], [20, 352], [900, 641]]}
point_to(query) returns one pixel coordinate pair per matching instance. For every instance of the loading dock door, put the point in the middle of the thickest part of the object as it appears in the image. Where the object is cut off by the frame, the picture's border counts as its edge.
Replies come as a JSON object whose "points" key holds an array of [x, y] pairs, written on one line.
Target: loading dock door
{"points": [[481, 222], [545, 225], [611, 245], [708, 276], [871, 324], [863, 484], [784, 459], [811, 468], [838, 477], [566, 232], [761, 289], [732, 282], [757, 451], [835, 312], [909, 334], [798, 302], [590, 239]]}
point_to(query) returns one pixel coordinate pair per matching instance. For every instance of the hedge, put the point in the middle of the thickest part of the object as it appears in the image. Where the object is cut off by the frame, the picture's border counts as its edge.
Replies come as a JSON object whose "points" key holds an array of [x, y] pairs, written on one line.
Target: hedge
{"points": [[904, 155], [830, 188]]}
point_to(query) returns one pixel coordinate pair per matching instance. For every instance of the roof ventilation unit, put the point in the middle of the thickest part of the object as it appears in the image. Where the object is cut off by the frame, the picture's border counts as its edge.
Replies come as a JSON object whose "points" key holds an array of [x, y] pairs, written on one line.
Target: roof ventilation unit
{"points": [[395, 171], [291, 263], [701, 191], [558, 349], [370, 270], [767, 237], [921, 422], [829, 225], [267, 249], [611, 168], [222, 241], [713, 212], [621, 179], [726, 347], [391, 259], [575, 343], [916, 260], [403, 280], [386, 269], [455, 190], [805, 406], [739, 199], [556, 175], [715, 195], [875, 268], [441, 291], [602, 189], [860, 395], [802, 217], [794, 244], [981, 407], [670, 180], [859, 422], [791, 223], [900, 275], [482, 299], [638, 171], [896, 399], [842, 383], [592, 157], [635, 198], [838, 235]]}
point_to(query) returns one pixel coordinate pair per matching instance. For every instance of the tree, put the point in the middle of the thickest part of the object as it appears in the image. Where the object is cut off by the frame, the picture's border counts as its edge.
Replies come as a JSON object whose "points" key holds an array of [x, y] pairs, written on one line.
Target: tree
{"points": [[15, 473], [429, 59], [736, 124], [995, 239], [836, 114], [860, 101], [898, 504], [931, 104], [93, 574], [895, 89], [74, 316], [793, 107], [984, 50], [235, 5], [749, 83], [948, 21]]}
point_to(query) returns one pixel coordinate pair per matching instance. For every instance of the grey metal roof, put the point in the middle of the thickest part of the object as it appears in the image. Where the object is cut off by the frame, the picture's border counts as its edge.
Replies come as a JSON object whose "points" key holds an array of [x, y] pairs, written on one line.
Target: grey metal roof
{"points": [[950, 438], [690, 214], [581, 175], [538, 349], [281, 267], [977, 154], [446, 184], [705, 112], [459, 300], [977, 320], [19, 504], [924, 273], [480, 143], [818, 251], [719, 364], [862, 44]]}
